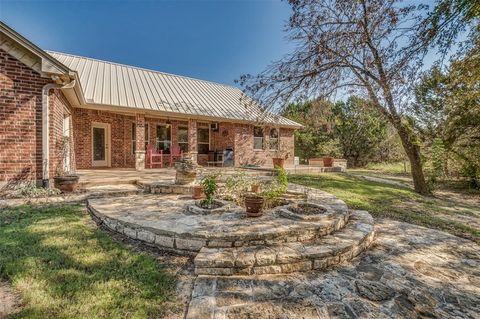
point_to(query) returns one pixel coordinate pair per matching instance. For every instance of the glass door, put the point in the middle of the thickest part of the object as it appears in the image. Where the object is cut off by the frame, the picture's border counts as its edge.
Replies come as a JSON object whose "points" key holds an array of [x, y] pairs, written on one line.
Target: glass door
{"points": [[100, 144], [164, 138]]}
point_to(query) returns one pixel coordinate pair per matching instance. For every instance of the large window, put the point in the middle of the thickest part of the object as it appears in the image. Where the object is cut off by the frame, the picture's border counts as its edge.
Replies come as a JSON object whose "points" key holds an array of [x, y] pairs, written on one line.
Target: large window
{"points": [[164, 138], [134, 137], [203, 138], [183, 138], [257, 138], [273, 140]]}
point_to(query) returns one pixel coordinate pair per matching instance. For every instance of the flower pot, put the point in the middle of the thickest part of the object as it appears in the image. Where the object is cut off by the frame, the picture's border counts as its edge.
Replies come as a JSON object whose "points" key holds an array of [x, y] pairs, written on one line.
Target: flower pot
{"points": [[328, 161], [278, 161], [67, 183], [198, 192], [255, 188], [254, 205]]}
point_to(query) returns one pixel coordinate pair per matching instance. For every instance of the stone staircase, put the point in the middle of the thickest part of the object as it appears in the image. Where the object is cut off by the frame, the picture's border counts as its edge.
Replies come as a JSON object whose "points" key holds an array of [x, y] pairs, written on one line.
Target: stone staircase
{"points": [[320, 253]]}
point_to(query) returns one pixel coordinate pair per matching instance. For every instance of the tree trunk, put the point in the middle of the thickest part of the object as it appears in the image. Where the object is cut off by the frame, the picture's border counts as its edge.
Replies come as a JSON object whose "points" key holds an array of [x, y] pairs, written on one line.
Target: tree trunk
{"points": [[413, 152]]}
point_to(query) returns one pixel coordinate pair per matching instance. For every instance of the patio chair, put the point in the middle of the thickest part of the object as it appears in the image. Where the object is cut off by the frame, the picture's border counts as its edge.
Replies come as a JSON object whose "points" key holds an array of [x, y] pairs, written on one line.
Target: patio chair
{"points": [[153, 156], [175, 154]]}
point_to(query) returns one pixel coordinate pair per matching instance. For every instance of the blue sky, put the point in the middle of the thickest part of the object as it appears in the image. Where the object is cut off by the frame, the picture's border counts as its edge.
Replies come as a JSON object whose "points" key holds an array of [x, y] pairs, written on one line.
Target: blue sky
{"points": [[211, 40]]}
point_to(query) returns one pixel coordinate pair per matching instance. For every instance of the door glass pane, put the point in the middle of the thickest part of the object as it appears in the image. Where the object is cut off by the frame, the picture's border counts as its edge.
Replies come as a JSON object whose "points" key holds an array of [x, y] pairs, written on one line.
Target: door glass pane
{"points": [[183, 138], [98, 144], [164, 139]]}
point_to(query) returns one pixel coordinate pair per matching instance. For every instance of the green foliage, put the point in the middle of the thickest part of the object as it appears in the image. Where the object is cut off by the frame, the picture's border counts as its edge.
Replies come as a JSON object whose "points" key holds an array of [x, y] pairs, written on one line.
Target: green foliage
{"points": [[351, 129], [63, 266], [236, 186], [448, 108], [434, 164], [210, 187], [274, 191], [314, 139], [360, 130]]}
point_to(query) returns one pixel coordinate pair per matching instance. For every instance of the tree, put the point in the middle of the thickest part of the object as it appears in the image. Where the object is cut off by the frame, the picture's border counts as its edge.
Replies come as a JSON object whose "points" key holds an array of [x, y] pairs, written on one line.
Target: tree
{"points": [[317, 119], [363, 46], [447, 107], [359, 129]]}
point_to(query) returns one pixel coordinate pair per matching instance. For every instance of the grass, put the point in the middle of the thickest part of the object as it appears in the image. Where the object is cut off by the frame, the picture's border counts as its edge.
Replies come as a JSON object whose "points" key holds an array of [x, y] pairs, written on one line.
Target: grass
{"points": [[388, 168], [63, 266], [399, 203]]}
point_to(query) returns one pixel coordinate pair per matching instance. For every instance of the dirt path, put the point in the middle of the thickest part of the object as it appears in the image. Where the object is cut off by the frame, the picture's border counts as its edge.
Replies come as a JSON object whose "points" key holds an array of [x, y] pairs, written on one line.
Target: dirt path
{"points": [[10, 302]]}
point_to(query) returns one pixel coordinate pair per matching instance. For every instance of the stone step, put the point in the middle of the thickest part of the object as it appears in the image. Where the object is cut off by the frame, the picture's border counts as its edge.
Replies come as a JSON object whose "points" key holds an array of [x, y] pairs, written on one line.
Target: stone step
{"points": [[321, 253]]}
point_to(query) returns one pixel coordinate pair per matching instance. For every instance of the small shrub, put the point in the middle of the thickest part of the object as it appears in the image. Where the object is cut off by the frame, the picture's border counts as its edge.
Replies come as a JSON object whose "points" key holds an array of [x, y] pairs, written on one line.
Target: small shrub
{"points": [[275, 190], [236, 186], [210, 187]]}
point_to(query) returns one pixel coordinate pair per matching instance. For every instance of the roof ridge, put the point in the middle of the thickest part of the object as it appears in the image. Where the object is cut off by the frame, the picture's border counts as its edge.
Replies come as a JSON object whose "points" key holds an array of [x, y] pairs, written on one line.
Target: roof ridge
{"points": [[140, 68]]}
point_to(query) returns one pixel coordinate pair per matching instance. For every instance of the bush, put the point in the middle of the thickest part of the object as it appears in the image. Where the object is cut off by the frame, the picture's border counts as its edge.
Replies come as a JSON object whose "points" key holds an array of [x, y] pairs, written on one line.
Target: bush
{"points": [[210, 187]]}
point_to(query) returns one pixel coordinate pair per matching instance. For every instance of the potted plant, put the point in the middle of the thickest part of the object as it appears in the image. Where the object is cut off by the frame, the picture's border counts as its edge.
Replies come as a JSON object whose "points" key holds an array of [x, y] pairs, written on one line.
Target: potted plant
{"points": [[198, 192], [254, 204], [280, 158], [328, 161], [65, 179]]}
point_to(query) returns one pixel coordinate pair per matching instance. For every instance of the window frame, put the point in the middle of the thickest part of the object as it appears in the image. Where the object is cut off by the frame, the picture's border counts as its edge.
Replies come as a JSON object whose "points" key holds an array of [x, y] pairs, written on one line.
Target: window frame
{"points": [[270, 138], [168, 126], [258, 137], [203, 126], [178, 137]]}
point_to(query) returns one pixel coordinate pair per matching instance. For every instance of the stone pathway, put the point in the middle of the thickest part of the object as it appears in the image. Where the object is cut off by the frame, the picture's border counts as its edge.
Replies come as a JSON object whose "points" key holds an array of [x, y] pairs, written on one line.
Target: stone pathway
{"points": [[410, 272]]}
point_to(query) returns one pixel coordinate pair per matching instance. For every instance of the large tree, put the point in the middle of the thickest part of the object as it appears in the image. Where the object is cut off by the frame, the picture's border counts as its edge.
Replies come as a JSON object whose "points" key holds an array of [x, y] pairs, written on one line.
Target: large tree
{"points": [[369, 47]]}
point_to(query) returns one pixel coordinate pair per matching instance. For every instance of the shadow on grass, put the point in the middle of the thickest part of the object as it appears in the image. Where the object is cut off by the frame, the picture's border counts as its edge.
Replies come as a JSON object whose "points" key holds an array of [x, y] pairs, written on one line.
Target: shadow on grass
{"points": [[64, 267]]}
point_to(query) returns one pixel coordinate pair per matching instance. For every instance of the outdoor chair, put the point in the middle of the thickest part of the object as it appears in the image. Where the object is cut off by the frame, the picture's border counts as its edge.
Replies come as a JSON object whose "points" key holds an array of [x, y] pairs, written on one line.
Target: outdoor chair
{"points": [[153, 156], [175, 154]]}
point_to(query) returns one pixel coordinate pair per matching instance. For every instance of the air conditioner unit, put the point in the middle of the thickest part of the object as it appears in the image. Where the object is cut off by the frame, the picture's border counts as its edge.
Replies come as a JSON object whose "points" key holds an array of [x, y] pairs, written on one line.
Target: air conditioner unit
{"points": [[214, 127]]}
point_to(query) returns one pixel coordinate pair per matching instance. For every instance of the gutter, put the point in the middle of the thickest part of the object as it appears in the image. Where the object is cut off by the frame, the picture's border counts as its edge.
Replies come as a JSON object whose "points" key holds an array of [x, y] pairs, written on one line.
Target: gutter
{"points": [[45, 128]]}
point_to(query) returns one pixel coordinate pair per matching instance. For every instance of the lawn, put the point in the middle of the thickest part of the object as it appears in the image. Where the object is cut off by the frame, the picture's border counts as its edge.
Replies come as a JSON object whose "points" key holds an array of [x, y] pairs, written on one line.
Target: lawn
{"points": [[63, 266], [399, 203]]}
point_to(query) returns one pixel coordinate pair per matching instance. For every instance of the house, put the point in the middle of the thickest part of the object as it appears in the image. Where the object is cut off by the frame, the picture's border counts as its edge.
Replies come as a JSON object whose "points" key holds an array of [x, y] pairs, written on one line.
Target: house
{"points": [[104, 114]]}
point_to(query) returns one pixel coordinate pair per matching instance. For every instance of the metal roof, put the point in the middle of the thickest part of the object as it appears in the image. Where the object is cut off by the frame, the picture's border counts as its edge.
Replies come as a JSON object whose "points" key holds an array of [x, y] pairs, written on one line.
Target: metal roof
{"points": [[114, 84]]}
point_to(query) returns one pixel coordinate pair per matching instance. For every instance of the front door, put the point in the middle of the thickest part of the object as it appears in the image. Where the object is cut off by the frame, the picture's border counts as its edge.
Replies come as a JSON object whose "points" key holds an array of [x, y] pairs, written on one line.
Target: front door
{"points": [[100, 144]]}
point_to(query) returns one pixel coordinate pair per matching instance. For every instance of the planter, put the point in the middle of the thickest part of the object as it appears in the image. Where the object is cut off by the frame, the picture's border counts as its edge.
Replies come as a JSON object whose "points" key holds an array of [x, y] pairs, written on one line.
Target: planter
{"points": [[198, 192], [67, 183], [186, 171], [278, 161], [254, 205], [328, 161], [255, 188]]}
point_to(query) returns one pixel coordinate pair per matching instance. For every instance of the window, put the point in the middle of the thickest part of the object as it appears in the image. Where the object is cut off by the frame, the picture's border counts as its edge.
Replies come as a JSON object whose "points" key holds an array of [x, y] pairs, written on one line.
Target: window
{"points": [[257, 138], [183, 138], [203, 138], [134, 137], [164, 138], [273, 139], [147, 136]]}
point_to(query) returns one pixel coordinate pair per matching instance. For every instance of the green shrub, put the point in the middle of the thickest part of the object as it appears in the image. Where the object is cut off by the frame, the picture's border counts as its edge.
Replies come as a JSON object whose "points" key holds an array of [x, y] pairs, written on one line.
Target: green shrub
{"points": [[210, 187]]}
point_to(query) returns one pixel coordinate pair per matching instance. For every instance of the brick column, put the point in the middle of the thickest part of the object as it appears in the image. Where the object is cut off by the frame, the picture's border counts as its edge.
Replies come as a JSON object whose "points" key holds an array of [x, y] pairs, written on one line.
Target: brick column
{"points": [[192, 140], [140, 142]]}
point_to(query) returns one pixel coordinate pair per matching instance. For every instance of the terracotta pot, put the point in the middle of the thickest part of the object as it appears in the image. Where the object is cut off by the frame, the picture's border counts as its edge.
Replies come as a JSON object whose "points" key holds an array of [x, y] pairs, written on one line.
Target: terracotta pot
{"points": [[278, 161], [254, 205], [67, 183], [328, 161], [198, 192], [255, 188]]}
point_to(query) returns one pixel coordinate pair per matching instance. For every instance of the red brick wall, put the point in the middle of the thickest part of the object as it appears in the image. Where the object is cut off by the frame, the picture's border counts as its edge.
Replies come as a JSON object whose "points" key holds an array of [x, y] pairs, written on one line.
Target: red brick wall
{"points": [[121, 146], [21, 121]]}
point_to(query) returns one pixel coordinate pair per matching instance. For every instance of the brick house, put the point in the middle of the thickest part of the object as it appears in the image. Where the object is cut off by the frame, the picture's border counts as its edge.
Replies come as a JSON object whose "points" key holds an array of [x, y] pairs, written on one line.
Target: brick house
{"points": [[105, 114]]}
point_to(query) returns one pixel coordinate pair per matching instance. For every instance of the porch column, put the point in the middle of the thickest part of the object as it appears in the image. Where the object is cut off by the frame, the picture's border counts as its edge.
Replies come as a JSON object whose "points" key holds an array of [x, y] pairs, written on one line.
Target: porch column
{"points": [[140, 142], [192, 140]]}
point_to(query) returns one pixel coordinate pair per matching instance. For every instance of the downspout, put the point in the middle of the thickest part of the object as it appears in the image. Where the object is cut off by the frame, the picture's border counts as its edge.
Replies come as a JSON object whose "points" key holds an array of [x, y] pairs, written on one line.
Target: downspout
{"points": [[45, 129]]}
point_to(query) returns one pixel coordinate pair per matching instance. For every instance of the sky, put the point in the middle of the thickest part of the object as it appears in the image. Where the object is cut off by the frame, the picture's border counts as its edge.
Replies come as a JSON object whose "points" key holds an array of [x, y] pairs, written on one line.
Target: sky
{"points": [[211, 40]]}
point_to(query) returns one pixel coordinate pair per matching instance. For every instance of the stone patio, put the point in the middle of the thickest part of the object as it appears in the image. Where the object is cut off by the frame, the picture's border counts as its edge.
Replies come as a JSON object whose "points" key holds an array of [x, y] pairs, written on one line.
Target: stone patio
{"points": [[410, 272]]}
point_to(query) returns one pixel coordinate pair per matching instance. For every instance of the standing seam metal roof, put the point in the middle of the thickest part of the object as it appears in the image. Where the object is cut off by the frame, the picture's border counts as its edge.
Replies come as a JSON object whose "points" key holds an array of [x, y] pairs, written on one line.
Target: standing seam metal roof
{"points": [[108, 83]]}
